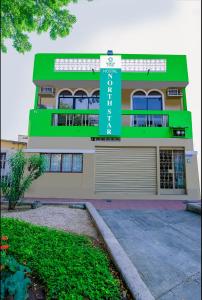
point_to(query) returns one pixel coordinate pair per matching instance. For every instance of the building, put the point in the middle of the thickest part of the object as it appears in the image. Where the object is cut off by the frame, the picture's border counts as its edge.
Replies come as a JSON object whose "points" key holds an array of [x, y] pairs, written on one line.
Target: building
{"points": [[9, 147], [146, 151]]}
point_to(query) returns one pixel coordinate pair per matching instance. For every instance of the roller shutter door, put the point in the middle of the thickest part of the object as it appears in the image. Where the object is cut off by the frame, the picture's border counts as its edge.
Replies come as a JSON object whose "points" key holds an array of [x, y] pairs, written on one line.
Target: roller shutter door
{"points": [[126, 170]]}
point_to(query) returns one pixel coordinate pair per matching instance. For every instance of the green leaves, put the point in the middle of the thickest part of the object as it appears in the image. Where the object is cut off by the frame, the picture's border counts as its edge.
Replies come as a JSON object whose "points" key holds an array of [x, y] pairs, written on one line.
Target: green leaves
{"points": [[19, 178], [67, 264], [19, 17], [14, 280]]}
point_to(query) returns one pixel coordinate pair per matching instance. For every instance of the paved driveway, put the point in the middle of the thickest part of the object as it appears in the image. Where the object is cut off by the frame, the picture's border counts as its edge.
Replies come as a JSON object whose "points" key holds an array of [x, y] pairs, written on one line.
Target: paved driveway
{"points": [[164, 245]]}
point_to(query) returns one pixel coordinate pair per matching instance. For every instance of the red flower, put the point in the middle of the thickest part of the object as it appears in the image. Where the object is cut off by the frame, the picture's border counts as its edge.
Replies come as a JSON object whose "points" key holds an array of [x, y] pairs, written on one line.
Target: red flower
{"points": [[4, 247], [4, 238]]}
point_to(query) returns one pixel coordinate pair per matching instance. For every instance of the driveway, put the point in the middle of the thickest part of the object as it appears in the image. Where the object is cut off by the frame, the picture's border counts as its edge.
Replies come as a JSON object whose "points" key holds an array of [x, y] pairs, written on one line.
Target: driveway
{"points": [[164, 245]]}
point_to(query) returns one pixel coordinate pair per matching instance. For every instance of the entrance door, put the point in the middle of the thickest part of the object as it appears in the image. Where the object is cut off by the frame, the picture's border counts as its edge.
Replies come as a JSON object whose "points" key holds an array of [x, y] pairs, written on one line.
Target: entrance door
{"points": [[172, 171]]}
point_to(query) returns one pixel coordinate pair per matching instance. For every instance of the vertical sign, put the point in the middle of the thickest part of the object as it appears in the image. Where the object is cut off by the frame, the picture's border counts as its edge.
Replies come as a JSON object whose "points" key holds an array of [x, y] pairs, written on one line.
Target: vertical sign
{"points": [[110, 95]]}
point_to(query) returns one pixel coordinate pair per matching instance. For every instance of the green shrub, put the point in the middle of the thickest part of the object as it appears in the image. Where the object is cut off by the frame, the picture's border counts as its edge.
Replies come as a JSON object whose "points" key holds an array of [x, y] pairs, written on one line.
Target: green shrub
{"points": [[67, 264], [22, 172]]}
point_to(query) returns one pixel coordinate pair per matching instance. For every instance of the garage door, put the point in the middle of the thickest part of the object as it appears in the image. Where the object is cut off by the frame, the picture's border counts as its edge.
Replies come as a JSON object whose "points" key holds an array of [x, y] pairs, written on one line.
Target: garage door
{"points": [[126, 170]]}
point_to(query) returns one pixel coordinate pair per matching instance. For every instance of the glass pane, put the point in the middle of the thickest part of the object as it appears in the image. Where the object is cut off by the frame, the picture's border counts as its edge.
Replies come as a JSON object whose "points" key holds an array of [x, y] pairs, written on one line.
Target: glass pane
{"points": [[55, 162], [47, 161], [154, 103], [93, 120], [179, 169], [66, 103], [61, 120], [140, 120], [78, 120], [155, 120], [81, 103], [66, 162], [77, 163], [139, 103], [94, 103]]}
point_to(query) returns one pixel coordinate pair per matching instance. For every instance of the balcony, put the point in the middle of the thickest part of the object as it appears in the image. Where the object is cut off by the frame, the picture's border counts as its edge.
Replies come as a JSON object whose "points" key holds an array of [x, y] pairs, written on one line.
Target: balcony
{"points": [[85, 123], [93, 120]]}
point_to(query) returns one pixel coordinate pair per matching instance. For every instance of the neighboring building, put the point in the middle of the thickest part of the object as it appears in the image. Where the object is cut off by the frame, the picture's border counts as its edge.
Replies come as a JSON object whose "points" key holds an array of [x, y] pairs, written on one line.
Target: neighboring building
{"points": [[23, 138], [151, 158], [9, 147]]}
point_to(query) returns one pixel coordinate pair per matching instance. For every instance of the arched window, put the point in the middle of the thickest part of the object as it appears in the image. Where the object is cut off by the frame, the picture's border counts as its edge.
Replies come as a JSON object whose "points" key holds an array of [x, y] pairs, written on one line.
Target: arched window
{"points": [[139, 101], [65, 100], [81, 99], [94, 100], [152, 101], [155, 100]]}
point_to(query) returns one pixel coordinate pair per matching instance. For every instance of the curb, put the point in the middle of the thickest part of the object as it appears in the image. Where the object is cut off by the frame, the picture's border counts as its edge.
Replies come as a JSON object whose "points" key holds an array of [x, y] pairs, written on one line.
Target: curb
{"points": [[128, 271], [194, 207]]}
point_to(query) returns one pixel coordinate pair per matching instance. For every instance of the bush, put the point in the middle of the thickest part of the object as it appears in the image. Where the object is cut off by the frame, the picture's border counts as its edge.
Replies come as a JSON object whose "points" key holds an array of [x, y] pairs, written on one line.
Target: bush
{"points": [[67, 264], [22, 172]]}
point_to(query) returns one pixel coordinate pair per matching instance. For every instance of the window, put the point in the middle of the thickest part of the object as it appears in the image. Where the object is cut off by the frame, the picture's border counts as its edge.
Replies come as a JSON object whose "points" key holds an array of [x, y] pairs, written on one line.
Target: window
{"points": [[63, 163], [55, 162], [3, 160], [65, 100], [81, 100], [94, 100], [139, 101], [152, 101]]}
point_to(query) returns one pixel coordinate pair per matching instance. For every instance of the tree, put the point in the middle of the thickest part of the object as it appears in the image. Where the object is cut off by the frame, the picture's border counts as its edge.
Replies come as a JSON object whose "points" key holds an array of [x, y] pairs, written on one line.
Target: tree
{"points": [[19, 17], [22, 172]]}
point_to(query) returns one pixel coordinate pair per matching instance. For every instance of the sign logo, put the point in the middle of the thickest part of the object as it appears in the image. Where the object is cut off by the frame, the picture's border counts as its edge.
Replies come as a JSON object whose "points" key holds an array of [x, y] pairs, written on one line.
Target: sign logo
{"points": [[110, 96], [110, 63]]}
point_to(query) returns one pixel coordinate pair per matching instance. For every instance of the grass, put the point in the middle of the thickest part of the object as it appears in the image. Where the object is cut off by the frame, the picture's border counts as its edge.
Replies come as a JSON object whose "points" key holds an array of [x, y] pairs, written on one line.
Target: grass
{"points": [[68, 265]]}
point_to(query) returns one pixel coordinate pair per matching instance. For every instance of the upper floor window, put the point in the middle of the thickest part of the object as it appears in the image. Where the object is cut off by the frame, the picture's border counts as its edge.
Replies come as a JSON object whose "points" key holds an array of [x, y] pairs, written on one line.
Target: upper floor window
{"points": [[94, 100], [150, 101], [65, 100], [80, 100]]}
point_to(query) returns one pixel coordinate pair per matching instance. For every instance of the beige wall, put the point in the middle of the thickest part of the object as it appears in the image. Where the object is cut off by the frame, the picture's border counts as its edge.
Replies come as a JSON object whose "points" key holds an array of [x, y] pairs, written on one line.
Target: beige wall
{"points": [[86, 143], [5, 144], [82, 186], [66, 185], [171, 103]]}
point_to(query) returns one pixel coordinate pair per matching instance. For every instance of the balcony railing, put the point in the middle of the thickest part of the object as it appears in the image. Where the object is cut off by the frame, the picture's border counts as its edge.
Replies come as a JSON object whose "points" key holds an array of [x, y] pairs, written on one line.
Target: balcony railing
{"points": [[149, 121], [74, 120], [93, 120]]}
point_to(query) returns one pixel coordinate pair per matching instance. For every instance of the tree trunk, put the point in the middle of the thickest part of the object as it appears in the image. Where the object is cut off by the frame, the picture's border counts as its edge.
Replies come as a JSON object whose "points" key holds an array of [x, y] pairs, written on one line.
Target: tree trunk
{"points": [[11, 205]]}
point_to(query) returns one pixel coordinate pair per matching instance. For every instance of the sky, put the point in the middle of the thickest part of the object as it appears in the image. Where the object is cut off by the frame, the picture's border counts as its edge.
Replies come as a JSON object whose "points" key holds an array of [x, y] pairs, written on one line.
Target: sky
{"points": [[125, 26]]}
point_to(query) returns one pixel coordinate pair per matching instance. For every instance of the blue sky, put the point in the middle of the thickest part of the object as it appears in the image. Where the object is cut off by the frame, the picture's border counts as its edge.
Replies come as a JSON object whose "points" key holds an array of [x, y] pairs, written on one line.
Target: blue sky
{"points": [[129, 26]]}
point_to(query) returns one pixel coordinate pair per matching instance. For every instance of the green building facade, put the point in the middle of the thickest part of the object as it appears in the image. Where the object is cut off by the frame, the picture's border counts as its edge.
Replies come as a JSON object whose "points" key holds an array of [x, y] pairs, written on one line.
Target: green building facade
{"points": [[149, 156]]}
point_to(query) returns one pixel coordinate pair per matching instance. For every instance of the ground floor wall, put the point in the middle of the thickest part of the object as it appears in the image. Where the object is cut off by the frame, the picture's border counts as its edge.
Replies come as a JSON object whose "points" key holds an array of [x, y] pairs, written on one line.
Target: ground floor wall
{"points": [[126, 169]]}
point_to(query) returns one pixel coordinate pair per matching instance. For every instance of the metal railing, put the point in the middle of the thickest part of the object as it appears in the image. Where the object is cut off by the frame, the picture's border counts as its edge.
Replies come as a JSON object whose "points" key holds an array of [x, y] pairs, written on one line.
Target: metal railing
{"points": [[93, 120], [149, 121]]}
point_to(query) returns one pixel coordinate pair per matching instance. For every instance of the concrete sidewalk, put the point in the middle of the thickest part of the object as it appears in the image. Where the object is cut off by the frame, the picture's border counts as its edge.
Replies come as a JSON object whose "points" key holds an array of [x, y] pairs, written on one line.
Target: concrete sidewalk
{"points": [[164, 245]]}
